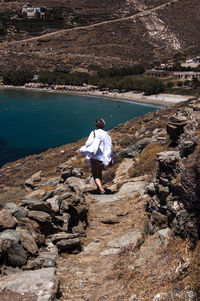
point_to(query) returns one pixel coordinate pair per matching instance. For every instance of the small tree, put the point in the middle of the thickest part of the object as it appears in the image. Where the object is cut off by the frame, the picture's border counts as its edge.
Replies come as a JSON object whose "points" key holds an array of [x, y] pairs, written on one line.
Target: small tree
{"points": [[170, 84], [179, 84], [17, 78]]}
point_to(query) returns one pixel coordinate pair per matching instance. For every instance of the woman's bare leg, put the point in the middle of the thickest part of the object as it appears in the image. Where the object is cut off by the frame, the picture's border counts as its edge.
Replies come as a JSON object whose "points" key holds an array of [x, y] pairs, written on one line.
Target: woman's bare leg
{"points": [[99, 185]]}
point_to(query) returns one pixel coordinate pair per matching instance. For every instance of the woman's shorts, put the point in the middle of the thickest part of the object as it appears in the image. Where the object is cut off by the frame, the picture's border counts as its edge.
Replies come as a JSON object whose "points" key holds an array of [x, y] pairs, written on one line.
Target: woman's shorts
{"points": [[97, 168]]}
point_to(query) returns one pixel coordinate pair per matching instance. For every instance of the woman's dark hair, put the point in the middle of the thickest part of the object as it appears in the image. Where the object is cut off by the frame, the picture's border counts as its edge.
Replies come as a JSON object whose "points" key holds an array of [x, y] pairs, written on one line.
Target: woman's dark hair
{"points": [[100, 123]]}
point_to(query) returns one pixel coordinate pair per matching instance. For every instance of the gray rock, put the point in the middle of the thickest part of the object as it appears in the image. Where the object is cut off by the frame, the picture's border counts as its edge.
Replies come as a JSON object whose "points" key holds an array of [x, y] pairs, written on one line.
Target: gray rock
{"points": [[187, 147], [69, 171], [62, 188], [12, 207], [43, 207], [77, 185], [36, 178], [111, 251], [162, 192], [36, 194], [164, 235], [125, 240], [63, 235], [26, 202], [16, 255], [28, 241], [34, 264], [40, 285], [178, 118], [17, 211], [136, 148], [54, 203], [132, 187], [10, 234], [154, 242], [7, 221], [68, 244], [51, 182], [39, 216], [64, 221], [168, 158], [64, 206]]}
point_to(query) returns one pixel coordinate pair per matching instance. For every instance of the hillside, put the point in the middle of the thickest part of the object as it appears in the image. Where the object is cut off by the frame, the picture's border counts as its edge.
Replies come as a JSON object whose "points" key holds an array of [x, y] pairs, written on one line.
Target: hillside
{"points": [[139, 243], [112, 33]]}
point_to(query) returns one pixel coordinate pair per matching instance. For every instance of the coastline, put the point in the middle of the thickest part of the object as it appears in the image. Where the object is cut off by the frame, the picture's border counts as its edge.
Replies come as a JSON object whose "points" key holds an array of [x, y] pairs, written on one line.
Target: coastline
{"points": [[163, 100]]}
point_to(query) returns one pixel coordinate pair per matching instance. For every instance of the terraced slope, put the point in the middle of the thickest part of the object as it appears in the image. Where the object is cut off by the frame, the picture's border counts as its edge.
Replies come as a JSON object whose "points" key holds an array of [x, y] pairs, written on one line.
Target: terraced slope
{"points": [[151, 34]]}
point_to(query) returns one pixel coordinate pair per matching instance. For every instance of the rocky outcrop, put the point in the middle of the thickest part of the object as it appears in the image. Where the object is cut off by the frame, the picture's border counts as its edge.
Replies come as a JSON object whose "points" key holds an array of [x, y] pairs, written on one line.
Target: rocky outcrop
{"points": [[39, 285], [174, 193], [55, 218]]}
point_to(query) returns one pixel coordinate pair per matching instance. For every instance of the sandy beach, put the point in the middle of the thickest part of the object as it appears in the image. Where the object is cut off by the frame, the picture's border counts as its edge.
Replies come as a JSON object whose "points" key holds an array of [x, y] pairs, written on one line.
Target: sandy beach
{"points": [[160, 99]]}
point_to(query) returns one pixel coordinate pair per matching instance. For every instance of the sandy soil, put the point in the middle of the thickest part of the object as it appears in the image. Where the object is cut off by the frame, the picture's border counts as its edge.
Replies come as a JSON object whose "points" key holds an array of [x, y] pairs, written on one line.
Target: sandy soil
{"points": [[160, 99]]}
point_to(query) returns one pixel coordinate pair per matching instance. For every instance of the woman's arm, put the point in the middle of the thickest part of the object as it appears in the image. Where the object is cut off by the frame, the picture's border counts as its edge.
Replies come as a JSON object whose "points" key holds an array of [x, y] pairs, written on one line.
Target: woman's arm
{"points": [[90, 139]]}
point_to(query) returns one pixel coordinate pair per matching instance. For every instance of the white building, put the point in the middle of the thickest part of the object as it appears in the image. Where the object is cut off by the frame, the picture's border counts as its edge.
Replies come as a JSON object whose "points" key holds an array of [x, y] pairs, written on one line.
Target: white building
{"points": [[186, 75], [33, 12]]}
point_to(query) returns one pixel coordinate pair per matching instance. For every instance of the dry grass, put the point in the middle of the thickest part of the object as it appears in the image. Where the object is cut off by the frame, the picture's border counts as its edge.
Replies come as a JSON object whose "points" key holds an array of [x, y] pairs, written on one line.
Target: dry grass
{"points": [[195, 271], [146, 163], [157, 274]]}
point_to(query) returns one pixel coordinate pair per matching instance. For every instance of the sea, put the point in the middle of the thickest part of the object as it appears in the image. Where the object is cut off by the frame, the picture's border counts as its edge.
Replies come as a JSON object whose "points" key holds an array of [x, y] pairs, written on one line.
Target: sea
{"points": [[32, 121]]}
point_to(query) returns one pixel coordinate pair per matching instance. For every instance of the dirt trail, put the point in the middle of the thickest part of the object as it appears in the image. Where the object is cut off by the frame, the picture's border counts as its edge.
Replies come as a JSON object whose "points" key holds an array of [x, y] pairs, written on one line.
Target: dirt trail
{"points": [[88, 275], [65, 31]]}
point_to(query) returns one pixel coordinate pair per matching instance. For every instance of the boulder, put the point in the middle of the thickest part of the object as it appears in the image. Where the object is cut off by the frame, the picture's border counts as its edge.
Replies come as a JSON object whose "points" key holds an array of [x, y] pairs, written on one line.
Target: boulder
{"points": [[63, 235], [77, 185], [187, 147], [7, 221], [26, 202], [17, 211], [125, 240], [43, 207], [54, 203], [69, 171], [11, 235], [28, 241], [16, 255], [50, 182], [69, 244], [36, 194], [63, 221], [62, 189], [34, 180], [31, 225], [40, 285], [135, 149], [132, 187], [175, 126], [39, 216]]}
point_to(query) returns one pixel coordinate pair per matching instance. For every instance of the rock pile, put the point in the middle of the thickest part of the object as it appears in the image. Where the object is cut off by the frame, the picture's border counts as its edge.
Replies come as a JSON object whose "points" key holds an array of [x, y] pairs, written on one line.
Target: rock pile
{"points": [[173, 200], [46, 222]]}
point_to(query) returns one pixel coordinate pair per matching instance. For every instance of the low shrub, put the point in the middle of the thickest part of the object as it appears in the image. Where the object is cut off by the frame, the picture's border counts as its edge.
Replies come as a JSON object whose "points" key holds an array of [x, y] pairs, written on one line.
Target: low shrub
{"points": [[146, 163]]}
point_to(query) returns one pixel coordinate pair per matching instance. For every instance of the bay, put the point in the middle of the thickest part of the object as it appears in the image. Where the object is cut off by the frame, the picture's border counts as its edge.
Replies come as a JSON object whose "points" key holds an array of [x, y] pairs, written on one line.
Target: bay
{"points": [[31, 122]]}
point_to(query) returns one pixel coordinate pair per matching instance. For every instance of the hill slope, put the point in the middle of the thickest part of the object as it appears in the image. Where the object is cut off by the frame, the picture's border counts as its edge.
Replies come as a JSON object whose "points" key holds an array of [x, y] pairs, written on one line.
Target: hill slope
{"points": [[139, 32]]}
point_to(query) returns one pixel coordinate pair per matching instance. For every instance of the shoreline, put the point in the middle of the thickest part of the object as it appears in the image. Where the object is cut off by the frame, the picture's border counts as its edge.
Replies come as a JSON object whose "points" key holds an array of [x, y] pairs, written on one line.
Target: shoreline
{"points": [[163, 100]]}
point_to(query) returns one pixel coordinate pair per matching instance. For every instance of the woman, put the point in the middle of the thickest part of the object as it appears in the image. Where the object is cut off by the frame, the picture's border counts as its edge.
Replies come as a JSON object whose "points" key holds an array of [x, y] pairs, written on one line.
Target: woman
{"points": [[101, 152]]}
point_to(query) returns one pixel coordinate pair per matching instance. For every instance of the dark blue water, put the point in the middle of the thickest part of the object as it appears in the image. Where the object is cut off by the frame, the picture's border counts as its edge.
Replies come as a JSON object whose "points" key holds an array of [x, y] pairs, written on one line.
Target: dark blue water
{"points": [[31, 122]]}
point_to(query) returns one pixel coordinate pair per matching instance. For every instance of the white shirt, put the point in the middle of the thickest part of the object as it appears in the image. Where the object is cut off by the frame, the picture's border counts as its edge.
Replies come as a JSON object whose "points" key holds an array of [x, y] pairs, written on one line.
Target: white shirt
{"points": [[105, 149]]}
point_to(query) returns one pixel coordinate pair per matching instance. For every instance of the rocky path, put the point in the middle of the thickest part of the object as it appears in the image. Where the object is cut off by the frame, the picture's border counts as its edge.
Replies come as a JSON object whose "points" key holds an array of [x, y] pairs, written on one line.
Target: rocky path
{"points": [[115, 223], [65, 31]]}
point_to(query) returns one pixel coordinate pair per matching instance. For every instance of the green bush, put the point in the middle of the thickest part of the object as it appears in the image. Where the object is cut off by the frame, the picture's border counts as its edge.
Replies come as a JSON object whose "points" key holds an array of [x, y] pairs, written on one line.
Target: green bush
{"points": [[152, 86], [17, 78], [179, 84], [170, 84]]}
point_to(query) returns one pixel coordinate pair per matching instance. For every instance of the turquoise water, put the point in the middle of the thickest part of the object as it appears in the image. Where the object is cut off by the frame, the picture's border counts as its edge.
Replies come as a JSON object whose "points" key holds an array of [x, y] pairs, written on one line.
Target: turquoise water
{"points": [[31, 122]]}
